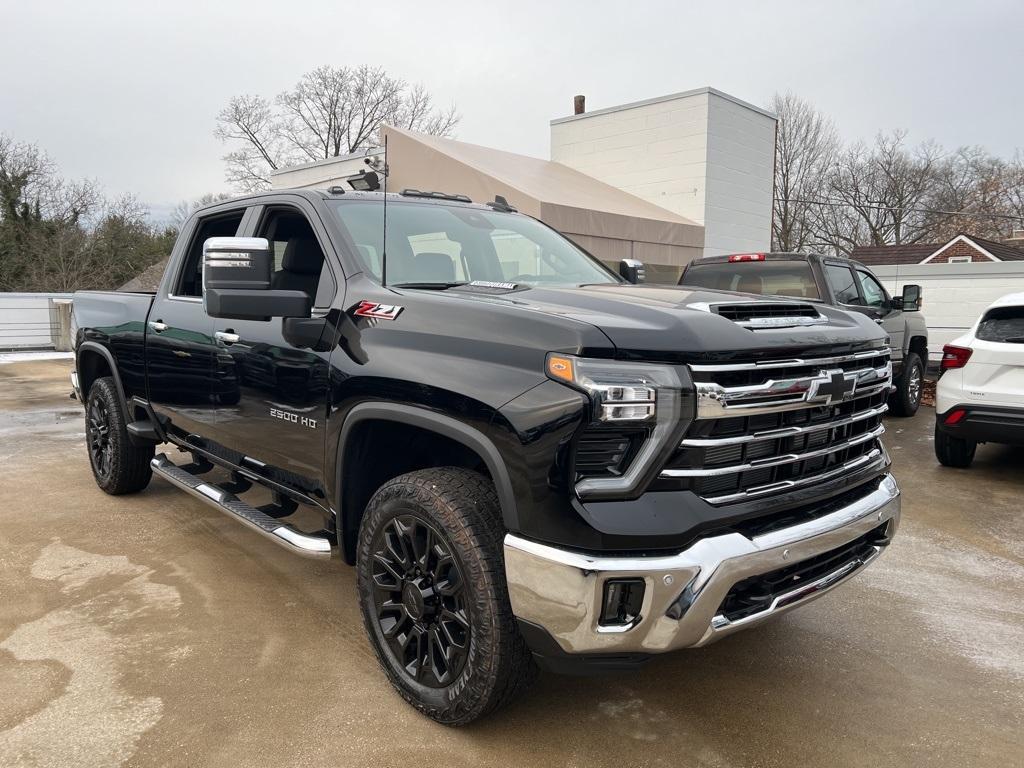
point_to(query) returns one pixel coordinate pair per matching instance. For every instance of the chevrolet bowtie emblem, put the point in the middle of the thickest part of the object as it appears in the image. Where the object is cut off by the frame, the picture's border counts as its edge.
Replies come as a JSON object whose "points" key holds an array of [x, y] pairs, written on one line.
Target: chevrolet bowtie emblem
{"points": [[832, 387]]}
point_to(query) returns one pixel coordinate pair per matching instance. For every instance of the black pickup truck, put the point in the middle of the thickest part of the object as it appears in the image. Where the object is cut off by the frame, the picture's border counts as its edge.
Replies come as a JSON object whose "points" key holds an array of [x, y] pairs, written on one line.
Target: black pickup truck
{"points": [[526, 456]]}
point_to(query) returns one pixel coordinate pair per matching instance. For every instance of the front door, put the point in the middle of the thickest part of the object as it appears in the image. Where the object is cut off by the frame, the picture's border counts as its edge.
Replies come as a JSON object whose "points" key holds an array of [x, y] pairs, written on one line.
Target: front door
{"points": [[877, 301], [279, 418], [181, 374]]}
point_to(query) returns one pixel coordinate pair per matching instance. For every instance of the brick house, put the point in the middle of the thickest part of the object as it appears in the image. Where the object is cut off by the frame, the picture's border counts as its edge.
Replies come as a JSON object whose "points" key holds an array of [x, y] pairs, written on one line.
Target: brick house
{"points": [[961, 249]]}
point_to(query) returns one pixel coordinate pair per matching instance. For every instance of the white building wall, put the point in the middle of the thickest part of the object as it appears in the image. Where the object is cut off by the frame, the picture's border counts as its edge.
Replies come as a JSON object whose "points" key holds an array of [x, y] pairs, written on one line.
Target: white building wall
{"points": [[656, 150], [702, 154], [955, 295], [740, 173]]}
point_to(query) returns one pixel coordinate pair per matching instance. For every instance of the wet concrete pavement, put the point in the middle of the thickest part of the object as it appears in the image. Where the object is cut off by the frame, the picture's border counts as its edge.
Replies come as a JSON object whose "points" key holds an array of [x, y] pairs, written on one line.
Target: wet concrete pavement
{"points": [[150, 630]]}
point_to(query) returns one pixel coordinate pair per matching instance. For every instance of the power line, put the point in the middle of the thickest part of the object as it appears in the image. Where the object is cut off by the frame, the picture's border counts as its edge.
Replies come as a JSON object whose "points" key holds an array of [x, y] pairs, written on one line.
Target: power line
{"points": [[833, 204]]}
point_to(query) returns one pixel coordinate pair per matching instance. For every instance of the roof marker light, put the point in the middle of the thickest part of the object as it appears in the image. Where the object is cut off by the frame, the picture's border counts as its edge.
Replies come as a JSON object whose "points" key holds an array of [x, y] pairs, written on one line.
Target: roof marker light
{"points": [[747, 257]]}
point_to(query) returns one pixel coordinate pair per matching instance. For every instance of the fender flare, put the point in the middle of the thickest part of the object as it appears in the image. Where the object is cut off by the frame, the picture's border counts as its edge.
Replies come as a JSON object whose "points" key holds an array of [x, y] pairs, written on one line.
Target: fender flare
{"points": [[92, 346], [432, 421]]}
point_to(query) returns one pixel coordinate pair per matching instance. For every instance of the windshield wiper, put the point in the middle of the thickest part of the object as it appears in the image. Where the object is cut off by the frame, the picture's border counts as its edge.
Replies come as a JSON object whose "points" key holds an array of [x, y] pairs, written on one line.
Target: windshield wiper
{"points": [[1014, 339], [429, 286]]}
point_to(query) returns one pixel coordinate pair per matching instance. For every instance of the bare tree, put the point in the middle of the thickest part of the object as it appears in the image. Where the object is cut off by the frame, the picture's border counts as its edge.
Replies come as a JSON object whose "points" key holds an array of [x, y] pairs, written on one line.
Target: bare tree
{"points": [[331, 111], [805, 146], [185, 208], [58, 234], [876, 194]]}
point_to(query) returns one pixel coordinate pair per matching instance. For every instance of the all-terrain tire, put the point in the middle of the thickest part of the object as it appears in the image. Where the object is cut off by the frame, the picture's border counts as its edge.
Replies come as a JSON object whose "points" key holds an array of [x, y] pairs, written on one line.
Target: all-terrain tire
{"points": [[953, 451], [119, 465], [456, 511], [907, 398]]}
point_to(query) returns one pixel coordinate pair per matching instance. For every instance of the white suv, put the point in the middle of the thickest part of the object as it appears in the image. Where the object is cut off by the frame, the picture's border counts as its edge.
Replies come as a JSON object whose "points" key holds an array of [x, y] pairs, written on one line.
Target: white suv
{"points": [[980, 396]]}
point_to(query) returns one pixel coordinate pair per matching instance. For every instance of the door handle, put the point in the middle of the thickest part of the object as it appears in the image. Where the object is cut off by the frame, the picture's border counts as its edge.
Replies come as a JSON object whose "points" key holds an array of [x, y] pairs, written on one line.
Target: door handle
{"points": [[158, 326], [227, 337]]}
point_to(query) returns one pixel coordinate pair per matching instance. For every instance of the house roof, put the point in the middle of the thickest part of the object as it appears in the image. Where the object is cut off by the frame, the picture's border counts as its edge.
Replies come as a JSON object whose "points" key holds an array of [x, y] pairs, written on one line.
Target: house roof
{"points": [[916, 253], [874, 255]]}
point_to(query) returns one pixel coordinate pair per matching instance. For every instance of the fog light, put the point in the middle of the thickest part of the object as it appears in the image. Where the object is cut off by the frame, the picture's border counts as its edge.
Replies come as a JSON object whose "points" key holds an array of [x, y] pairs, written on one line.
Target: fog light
{"points": [[623, 599]]}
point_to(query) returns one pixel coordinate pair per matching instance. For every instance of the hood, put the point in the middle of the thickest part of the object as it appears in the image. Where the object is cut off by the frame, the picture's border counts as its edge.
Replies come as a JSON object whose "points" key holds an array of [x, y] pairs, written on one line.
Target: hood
{"points": [[682, 324]]}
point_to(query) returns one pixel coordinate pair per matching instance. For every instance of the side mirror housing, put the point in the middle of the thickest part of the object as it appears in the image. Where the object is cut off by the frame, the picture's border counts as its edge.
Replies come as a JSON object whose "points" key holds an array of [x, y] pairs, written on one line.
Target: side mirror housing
{"points": [[236, 282], [910, 299], [633, 271]]}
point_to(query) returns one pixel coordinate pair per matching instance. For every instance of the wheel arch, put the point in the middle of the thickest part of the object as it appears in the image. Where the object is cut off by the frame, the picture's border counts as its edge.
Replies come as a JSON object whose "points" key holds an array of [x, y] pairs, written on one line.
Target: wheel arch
{"points": [[94, 361], [919, 345], [445, 431]]}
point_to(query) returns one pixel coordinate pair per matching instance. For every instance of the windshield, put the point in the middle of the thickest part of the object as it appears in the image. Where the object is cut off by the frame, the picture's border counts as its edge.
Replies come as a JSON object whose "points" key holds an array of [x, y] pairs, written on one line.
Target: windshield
{"points": [[438, 244], [773, 278]]}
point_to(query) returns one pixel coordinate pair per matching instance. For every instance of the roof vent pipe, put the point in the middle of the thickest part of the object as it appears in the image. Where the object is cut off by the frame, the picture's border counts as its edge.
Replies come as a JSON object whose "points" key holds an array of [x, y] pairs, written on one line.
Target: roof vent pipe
{"points": [[579, 104]]}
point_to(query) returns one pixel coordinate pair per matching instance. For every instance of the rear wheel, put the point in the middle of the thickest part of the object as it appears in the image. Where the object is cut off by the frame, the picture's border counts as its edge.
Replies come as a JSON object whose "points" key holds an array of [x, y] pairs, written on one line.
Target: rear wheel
{"points": [[953, 451], [433, 595], [907, 398], [118, 465]]}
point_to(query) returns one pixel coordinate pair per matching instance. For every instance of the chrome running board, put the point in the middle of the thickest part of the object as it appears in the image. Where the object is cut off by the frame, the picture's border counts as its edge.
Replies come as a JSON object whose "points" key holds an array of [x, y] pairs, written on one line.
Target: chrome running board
{"points": [[280, 533]]}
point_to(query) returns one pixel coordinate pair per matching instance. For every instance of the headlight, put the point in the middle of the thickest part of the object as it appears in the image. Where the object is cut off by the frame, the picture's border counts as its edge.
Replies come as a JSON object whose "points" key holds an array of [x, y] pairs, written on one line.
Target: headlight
{"points": [[654, 397]]}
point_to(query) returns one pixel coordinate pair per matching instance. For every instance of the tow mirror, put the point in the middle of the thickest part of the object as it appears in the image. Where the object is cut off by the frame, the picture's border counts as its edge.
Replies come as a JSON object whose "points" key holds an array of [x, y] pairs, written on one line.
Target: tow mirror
{"points": [[632, 270], [910, 300], [236, 282]]}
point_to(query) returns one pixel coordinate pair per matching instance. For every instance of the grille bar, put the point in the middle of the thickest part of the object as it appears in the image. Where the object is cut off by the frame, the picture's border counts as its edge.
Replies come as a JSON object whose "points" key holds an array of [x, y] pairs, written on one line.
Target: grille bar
{"points": [[774, 395], [775, 434], [861, 462], [775, 461]]}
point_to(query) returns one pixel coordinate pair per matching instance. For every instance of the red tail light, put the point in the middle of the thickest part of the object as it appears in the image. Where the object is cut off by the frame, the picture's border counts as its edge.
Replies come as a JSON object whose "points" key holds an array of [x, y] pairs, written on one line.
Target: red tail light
{"points": [[955, 416], [955, 357], [747, 257]]}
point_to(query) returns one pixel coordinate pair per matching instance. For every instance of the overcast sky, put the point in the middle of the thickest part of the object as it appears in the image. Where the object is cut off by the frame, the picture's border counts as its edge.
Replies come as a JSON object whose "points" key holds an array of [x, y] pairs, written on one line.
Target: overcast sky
{"points": [[127, 92]]}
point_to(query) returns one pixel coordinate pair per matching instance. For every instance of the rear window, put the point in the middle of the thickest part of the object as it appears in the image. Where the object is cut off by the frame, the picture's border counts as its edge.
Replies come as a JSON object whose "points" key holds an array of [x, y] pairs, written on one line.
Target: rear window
{"points": [[1002, 324], [773, 278]]}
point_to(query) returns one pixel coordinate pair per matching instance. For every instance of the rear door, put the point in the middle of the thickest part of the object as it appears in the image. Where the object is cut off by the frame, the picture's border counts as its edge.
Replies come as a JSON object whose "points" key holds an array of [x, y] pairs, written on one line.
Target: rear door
{"points": [[181, 374], [278, 418], [995, 372]]}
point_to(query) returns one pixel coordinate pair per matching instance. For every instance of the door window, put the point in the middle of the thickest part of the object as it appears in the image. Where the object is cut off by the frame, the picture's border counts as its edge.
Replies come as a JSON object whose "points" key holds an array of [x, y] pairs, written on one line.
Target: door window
{"points": [[874, 295], [840, 279], [190, 279], [299, 263]]}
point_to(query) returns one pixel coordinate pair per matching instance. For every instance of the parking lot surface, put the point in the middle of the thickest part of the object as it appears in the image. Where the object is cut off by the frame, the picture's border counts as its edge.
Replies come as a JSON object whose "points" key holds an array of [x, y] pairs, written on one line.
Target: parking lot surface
{"points": [[150, 630]]}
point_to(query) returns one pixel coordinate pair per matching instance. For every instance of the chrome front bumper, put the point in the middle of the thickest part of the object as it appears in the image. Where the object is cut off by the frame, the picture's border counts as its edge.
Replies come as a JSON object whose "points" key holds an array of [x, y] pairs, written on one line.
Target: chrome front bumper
{"points": [[562, 591]]}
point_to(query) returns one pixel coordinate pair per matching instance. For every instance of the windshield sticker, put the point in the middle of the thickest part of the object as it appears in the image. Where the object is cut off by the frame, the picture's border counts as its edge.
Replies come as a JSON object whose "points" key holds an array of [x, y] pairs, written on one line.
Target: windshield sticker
{"points": [[489, 284]]}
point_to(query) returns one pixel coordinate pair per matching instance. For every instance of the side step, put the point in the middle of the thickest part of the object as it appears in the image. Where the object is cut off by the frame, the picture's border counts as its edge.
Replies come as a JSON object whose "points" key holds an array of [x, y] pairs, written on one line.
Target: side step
{"points": [[287, 536]]}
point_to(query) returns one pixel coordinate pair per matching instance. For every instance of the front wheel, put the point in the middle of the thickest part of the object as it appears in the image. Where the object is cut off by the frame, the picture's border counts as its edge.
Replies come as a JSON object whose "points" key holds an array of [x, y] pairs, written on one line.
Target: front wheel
{"points": [[118, 465], [433, 595], [907, 397]]}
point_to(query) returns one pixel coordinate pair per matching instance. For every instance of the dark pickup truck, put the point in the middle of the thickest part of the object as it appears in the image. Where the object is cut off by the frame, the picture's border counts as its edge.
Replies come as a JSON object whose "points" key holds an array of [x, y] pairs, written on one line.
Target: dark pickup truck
{"points": [[526, 456], [841, 282]]}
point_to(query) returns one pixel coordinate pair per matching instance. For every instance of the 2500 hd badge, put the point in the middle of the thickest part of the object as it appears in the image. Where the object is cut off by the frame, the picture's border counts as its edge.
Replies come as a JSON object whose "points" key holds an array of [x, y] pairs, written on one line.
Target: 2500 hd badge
{"points": [[294, 418]]}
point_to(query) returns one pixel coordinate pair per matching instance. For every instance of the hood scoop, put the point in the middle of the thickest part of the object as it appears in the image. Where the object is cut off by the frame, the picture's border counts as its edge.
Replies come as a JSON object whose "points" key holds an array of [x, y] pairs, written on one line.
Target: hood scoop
{"points": [[765, 314]]}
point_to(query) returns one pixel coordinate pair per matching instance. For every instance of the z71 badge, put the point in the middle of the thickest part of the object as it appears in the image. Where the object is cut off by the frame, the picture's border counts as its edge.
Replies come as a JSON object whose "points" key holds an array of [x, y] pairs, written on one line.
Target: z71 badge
{"points": [[379, 311]]}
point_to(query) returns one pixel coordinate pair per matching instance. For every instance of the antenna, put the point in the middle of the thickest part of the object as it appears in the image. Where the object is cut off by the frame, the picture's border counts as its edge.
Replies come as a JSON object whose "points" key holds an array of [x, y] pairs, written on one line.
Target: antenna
{"points": [[384, 241]]}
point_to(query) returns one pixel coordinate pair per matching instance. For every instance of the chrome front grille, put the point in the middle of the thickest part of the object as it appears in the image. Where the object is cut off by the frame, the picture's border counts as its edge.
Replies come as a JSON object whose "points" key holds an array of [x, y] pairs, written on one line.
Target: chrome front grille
{"points": [[768, 427]]}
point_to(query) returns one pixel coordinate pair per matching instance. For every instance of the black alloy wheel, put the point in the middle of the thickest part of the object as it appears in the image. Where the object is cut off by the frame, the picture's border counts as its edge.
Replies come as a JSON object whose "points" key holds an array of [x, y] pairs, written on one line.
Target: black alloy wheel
{"points": [[98, 434], [118, 465], [433, 596], [419, 594]]}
